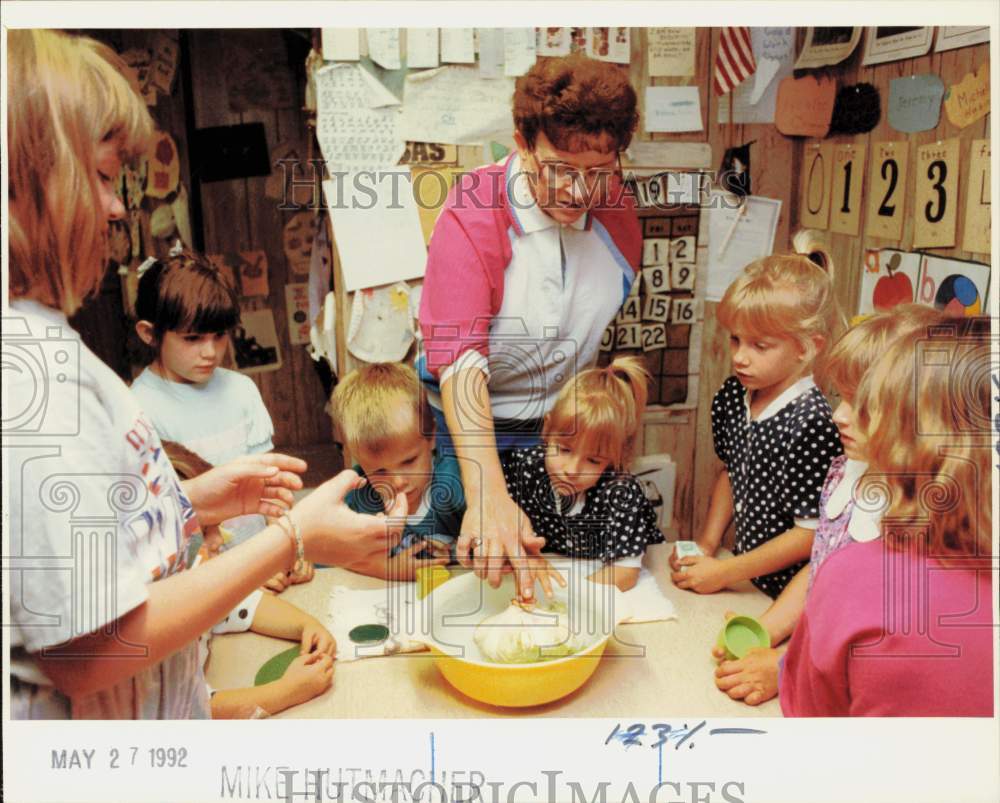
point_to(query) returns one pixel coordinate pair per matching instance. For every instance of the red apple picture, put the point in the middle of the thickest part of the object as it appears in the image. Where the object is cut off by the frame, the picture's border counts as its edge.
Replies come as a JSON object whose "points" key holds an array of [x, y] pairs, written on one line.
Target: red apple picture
{"points": [[893, 289]]}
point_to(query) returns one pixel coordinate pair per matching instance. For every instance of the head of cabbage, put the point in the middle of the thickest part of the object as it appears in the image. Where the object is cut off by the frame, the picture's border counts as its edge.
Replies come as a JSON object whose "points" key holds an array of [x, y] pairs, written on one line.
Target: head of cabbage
{"points": [[518, 635]]}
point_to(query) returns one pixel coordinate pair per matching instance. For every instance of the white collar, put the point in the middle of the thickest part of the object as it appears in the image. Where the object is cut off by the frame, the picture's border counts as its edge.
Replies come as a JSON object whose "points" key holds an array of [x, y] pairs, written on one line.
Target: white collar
{"points": [[805, 384], [526, 209], [53, 316]]}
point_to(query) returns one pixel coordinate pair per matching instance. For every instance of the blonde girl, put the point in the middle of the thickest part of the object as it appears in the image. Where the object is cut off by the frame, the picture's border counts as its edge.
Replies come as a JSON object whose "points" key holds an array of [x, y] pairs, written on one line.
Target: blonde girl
{"points": [[772, 428], [117, 636], [575, 487], [844, 518], [903, 625]]}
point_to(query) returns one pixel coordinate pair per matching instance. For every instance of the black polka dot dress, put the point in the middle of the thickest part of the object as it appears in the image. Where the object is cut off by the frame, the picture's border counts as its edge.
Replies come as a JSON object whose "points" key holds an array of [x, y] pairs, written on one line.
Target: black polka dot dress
{"points": [[616, 521], [777, 464]]}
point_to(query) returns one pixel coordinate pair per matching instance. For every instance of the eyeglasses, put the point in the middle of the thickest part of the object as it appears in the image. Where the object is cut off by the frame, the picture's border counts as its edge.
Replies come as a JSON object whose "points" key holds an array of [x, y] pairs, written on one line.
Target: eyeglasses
{"points": [[563, 173]]}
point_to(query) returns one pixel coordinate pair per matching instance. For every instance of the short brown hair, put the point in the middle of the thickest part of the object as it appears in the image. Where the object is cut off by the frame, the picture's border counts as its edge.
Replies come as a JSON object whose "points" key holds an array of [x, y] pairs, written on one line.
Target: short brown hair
{"points": [[377, 403], [578, 103]]}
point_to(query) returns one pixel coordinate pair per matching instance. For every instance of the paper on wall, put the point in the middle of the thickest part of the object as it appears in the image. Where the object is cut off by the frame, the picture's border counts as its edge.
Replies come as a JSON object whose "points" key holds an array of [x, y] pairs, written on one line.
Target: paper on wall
{"points": [[752, 237], [421, 48], [383, 47], [609, 44], [357, 120], [377, 228], [297, 312], [458, 45], [341, 44], [951, 37], [889, 278], [455, 105], [670, 51], [672, 109], [827, 46], [976, 232], [551, 42], [892, 44], [381, 327], [754, 100], [491, 52], [518, 51]]}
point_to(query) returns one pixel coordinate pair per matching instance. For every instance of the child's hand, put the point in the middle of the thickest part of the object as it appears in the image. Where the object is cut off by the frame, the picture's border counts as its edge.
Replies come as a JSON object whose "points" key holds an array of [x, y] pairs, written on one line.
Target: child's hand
{"points": [[404, 564], [307, 676], [316, 638], [302, 573], [255, 483], [752, 679], [718, 653], [278, 583], [540, 571], [703, 575]]}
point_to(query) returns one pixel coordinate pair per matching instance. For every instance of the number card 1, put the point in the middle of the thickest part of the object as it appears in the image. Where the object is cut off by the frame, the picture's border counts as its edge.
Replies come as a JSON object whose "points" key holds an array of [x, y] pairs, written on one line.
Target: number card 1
{"points": [[817, 172], [848, 177], [936, 195], [655, 252], [886, 190]]}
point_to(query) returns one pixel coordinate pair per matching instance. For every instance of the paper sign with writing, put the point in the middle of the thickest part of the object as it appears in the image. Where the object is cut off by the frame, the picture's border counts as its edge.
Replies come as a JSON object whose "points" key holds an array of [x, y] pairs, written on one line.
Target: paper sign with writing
{"points": [[825, 46], [936, 196], [454, 104], [848, 178], [673, 109], [892, 44], [915, 103], [805, 106], [814, 194], [889, 278], [458, 45], [421, 48], [383, 47], [429, 153], [954, 286], [519, 51], [670, 51], [976, 232], [887, 190], [491, 52], [341, 44], [953, 36], [969, 100], [553, 41]]}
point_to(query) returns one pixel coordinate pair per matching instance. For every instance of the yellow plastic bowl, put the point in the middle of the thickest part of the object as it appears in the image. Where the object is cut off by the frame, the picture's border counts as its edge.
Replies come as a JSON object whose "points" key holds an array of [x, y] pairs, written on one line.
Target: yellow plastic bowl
{"points": [[459, 605]]}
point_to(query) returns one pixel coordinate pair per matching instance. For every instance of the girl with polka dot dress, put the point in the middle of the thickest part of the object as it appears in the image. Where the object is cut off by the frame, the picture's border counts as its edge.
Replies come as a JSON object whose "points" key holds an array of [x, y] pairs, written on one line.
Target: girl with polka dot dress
{"points": [[574, 487], [771, 426]]}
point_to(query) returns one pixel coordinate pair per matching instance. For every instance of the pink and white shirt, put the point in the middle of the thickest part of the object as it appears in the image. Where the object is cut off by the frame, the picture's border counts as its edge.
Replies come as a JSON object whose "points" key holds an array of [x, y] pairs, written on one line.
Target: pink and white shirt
{"points": [[511, 291]]}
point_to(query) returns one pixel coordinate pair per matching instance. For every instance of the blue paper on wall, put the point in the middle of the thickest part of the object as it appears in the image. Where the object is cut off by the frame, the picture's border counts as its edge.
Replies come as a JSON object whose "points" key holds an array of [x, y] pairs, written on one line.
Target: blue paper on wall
{"points": [[915, 103]]}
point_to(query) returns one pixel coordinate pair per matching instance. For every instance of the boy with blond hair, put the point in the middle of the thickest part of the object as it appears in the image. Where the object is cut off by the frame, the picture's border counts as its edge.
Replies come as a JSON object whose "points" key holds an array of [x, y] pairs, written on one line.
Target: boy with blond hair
{"points": [[380, 414]]}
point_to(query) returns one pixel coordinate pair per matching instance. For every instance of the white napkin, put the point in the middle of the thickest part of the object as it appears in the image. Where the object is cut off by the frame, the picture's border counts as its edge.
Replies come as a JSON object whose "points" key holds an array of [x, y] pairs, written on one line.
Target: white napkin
{"points": [[646, 603], [396, 606]]}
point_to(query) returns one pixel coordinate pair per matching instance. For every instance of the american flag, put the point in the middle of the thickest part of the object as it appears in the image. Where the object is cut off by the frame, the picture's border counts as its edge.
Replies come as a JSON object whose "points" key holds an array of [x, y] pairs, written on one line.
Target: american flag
{"points": [[734, 62]]}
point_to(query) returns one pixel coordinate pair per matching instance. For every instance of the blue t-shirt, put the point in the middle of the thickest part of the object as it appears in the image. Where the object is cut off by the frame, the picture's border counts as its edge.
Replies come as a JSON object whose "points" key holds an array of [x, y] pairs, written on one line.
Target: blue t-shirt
{"points": [[445, 503], [219, 420]]}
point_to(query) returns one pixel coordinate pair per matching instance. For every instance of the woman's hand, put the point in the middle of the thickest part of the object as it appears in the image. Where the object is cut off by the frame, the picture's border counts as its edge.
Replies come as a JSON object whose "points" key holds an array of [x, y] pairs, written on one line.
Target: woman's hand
{"points": [[254, 483], [495, 533], [332, 533]]}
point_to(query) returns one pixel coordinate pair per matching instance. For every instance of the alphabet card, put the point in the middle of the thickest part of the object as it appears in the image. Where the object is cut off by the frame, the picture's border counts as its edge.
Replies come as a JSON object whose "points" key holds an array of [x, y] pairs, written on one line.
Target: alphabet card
{"points": [[889, 278], [936, 195], [976, 234], [886, 196], [955, 286]]}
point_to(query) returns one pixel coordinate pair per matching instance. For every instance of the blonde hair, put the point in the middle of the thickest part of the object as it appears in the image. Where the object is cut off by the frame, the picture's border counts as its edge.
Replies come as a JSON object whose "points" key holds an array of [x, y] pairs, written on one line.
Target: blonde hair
{"points": [[65, 95], [925, 409], [784, 295], [376, 404], [847, 361], [601, 409]]}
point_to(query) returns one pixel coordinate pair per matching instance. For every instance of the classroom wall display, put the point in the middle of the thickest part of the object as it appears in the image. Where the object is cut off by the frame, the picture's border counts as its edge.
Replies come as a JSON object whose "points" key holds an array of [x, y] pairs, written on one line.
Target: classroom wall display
{"points": [[163, 169], [670, 51], [297, 312], [381, 326], [978, 225], [340, 44], [884, 44], [889, 278], [297, 241], [856, 110], [886, 195], [383, 47], [805, 106], [252, 270], [609, 44], [955, 286], [814, 185], [936, 194], [951, 37], [755, 99], [969, 99], [553, 42], [827, 46], [255, 342], [848, 179], [915, 103]]}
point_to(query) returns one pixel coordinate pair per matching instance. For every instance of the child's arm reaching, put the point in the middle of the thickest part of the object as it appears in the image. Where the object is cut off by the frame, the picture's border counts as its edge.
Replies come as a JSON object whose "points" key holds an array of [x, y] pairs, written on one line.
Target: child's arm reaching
{"points": [[706, 575], [720, 513], [278, 618], [624, 577], [307, 676]]}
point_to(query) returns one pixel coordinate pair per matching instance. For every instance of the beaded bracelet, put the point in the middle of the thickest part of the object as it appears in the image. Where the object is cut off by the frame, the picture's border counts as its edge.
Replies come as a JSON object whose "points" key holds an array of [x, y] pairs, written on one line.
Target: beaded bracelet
{"points": [[292, 531]]}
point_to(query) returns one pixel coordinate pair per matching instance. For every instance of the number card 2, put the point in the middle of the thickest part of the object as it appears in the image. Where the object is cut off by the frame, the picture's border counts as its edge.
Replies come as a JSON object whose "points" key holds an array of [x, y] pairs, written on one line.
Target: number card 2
{"points": [[683, 250], [886, 190], [848, 177], [936, 195], [817, 172], [657, 308], [657, 280], [655, 252]]}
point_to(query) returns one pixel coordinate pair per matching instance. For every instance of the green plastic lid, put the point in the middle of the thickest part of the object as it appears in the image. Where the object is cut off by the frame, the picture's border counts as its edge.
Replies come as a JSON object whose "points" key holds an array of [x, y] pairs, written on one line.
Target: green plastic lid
{"points": [[274, 668]]}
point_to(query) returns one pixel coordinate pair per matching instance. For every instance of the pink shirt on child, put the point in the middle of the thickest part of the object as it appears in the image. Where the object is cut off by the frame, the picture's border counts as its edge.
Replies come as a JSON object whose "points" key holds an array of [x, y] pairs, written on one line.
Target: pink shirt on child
{"points": [[891, 633]]}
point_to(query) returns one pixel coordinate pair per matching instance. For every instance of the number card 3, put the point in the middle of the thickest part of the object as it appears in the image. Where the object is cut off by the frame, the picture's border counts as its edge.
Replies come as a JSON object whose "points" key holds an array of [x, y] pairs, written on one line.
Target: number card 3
{"points": [[936, 195], [886, 190]]}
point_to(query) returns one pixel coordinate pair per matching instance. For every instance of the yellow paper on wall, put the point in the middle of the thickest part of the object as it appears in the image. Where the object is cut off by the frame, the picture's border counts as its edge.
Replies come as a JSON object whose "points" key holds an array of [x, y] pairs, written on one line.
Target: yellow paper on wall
{"points": [[886, 190], [969, 100], [814, 195], [977, 230], [936, 196], [848, 178], [430, 188]]}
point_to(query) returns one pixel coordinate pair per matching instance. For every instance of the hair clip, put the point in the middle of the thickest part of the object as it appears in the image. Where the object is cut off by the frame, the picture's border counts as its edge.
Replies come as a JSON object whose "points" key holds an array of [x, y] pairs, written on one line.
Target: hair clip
{"points": [[147, 263]]}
